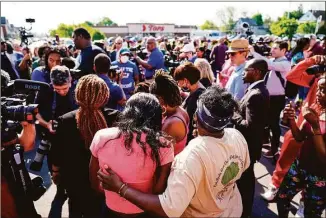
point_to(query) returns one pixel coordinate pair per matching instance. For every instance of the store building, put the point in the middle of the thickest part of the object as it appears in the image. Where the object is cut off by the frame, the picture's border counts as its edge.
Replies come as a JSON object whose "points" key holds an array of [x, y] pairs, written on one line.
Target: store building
{"points": [[145, 29]]}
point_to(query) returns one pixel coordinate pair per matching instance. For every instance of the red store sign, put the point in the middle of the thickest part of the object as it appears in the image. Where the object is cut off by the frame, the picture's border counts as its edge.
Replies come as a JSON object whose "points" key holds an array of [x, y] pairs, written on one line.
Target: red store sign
{"points": [[153, 28]]}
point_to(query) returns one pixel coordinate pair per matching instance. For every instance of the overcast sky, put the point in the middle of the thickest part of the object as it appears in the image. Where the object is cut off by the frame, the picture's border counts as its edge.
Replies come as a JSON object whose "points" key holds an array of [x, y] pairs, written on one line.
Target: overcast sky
{"points": [[49, 14]]}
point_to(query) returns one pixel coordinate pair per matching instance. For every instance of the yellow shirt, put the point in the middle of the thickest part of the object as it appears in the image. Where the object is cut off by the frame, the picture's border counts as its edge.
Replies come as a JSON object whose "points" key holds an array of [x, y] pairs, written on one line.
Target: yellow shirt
{"points": [[203, 177]]}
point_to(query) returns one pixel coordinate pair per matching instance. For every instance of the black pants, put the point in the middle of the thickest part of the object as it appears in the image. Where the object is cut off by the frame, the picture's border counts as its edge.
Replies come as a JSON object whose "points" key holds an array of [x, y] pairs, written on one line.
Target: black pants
{"points": [[84, 203], [107, 212], [277, 104], [246, 185]]}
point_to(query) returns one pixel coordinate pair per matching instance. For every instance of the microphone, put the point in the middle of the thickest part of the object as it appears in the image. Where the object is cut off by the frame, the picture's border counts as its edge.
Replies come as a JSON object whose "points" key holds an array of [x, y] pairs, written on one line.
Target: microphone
{"points": [[23, 86]]}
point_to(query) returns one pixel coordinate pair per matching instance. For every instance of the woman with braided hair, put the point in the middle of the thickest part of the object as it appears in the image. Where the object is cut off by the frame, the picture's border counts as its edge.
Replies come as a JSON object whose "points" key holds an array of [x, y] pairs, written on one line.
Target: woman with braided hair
{"points": [[138, 151], [175, 118], [71, 152]]}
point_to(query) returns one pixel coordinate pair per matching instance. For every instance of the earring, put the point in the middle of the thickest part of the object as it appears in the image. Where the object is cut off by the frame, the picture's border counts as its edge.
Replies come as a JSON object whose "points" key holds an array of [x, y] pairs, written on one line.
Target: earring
{"points": [[164, 110]]}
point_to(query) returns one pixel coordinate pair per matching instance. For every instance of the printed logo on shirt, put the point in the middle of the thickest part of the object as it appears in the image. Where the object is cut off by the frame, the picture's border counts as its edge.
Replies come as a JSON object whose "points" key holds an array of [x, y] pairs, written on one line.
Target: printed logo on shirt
{"points": [[228, 173]]}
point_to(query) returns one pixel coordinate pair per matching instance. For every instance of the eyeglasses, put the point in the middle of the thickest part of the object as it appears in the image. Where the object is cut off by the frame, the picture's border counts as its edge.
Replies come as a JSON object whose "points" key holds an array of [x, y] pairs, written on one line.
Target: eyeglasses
{"points": [[118, 43], [249, 69]]}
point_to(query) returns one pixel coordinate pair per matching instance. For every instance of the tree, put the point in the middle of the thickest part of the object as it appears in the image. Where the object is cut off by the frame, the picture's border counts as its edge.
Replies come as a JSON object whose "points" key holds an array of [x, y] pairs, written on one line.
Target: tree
{"points": [[106, 22], [97, 35], [284, 27], [308, 27], [208, 25], [297, 14], [66, 30], [63, 30], [258, 18], [89, 23], [226, 16]]}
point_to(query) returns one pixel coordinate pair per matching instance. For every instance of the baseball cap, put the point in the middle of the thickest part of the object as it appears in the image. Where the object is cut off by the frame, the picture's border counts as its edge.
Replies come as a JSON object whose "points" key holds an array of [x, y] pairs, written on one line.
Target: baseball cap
{"points": [[124, 51], [188, 48]]}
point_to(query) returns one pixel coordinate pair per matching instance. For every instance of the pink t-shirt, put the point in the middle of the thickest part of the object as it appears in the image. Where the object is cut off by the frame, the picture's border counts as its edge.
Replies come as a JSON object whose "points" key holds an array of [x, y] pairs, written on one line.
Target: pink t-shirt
{"points": [[134, 168]]}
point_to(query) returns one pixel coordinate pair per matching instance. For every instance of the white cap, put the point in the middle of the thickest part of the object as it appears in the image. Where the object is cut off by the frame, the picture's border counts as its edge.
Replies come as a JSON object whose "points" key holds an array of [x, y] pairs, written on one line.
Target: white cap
{"points": [[188, 48]]}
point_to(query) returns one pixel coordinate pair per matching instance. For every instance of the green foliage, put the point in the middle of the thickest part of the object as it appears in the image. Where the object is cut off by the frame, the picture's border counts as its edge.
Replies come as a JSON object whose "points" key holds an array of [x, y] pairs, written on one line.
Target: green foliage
{"points": [[97, 35], [258, 18], [322, 29], [106, 22], [208, 25], [308, 27], [226, 16], [63, 30], [297, 14], [89, 23], [66, 30], [284, 27]]}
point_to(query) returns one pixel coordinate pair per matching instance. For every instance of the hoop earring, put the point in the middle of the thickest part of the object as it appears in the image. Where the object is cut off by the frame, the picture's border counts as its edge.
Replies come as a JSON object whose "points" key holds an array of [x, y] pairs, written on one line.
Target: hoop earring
{"points": [[164, 110]]}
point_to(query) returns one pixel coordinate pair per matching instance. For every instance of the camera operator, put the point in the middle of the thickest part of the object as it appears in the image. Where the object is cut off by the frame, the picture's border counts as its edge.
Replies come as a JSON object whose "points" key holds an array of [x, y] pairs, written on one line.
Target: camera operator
{"points": [[52, 58], [262, 48], [6, 64], [25, 65], [60, 100], [155, 60], [117, 98], [129, 76], [188, 51], [25, 139], [82, 40]]}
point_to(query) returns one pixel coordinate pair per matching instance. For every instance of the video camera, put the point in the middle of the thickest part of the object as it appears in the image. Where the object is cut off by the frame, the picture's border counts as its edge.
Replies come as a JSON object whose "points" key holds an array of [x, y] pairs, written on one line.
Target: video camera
{"points": [[24, 35], [138, 51], [171, 63], [316, 69], [15, 109]]}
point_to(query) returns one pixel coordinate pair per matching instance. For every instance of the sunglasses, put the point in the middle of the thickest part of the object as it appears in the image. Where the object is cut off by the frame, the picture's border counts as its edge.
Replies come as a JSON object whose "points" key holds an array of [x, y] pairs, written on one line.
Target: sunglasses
{"points": [[234, 53]]}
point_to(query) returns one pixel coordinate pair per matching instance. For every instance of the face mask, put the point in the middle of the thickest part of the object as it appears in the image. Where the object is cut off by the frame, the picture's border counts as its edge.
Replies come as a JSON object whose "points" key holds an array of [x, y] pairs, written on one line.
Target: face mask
{"points": [[124, 59]]}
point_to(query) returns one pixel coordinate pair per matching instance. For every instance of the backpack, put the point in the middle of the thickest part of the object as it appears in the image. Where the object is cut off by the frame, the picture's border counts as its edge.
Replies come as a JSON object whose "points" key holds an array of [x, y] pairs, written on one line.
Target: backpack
{"points": [[291, 89]]}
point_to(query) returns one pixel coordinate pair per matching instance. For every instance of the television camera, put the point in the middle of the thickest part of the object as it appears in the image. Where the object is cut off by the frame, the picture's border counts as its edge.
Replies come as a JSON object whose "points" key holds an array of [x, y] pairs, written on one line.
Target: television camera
{"points": [[15, 109], [24, 35]]}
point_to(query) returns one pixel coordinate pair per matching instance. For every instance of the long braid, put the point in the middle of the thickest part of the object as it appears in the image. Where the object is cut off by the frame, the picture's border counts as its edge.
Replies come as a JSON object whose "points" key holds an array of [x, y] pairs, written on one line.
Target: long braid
{"points": [[92, 93]]}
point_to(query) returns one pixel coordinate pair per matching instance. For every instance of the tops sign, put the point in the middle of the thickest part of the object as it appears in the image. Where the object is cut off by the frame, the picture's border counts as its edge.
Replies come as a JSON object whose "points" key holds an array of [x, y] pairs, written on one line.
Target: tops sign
{"points": [[153, 28], [150, 28]]}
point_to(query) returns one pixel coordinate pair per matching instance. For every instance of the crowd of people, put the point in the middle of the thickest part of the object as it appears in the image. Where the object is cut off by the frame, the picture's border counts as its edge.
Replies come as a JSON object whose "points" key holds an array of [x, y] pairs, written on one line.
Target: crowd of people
{"points": [[136, 139]]}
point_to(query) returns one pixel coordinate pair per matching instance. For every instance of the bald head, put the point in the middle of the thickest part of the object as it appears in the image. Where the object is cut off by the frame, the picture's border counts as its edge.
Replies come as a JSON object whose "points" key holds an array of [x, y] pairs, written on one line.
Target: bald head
{"points": [[151, 43], [258, 64], [255, 70]]}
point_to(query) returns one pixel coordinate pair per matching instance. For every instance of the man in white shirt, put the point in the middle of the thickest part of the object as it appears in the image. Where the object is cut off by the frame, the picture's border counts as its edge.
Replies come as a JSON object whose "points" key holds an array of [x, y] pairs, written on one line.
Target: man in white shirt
{"points": [[275, 82], [202, 182]]}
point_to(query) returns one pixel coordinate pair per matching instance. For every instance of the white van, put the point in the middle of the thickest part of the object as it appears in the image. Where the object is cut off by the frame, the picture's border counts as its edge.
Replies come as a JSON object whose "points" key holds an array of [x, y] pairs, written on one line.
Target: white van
{"points": [[208, 34]]}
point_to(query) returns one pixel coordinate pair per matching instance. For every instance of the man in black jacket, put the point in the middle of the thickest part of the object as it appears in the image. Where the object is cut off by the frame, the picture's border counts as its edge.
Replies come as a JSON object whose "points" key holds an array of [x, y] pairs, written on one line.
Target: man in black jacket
{"points": [[253, 109]]}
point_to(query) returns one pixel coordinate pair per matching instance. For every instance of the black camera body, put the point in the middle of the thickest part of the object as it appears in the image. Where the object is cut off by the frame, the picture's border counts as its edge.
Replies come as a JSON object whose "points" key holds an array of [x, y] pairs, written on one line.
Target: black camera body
{"points": [[316, 69], [15, 109]]}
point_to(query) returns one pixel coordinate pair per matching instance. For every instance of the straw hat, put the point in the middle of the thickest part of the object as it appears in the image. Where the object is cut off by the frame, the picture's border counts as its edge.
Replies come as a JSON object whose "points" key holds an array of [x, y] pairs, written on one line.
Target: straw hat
{"points": [[238, 45]]}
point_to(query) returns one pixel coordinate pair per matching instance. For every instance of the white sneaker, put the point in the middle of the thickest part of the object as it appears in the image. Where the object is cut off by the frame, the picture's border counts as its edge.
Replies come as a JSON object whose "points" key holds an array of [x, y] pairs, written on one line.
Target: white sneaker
{"points": [[300, 211], [270, 194]]}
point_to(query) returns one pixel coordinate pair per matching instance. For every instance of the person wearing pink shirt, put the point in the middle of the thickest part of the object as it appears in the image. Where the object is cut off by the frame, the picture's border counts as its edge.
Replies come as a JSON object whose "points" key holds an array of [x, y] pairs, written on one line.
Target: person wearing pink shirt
{"points": [[137, 150], [175, 118], [224, 75]]}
